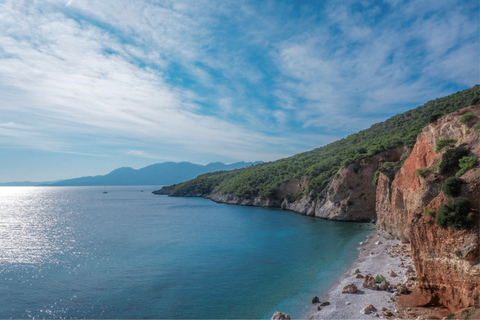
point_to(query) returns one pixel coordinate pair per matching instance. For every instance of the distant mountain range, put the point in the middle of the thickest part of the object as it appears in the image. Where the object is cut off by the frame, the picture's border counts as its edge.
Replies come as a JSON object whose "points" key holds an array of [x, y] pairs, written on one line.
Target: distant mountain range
{"points": [[25, 183], [156, 174]]}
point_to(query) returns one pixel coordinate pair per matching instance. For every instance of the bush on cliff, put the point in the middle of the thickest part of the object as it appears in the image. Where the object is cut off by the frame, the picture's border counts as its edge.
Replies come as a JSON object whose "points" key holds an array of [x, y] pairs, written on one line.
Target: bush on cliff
{"points": [[376, 174], [450, 159], [452, 186], [455, 214], [477, 127], [465, 163], [423, 173], [444, 142], [467, 117]]}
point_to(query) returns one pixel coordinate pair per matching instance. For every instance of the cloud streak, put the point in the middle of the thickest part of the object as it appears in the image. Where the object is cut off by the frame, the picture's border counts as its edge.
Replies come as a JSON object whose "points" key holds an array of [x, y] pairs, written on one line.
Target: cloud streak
{"points": [[211, 80]]}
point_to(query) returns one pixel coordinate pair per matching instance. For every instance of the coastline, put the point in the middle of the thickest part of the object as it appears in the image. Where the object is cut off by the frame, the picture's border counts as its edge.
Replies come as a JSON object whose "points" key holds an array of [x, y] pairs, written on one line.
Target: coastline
{"points": [[377, 255]]}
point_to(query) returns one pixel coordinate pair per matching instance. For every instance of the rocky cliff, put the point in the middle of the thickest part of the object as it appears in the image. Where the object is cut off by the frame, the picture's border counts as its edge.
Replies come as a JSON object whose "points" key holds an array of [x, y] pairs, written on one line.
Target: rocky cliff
{"points": [[447, 260], [403, 199], [350, 195]]}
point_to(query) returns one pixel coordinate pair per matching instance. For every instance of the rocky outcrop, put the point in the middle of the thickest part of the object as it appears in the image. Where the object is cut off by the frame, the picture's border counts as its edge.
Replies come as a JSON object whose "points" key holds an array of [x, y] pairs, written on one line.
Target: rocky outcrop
{"points": [[350, 196], [232, 199], [447, 261]]}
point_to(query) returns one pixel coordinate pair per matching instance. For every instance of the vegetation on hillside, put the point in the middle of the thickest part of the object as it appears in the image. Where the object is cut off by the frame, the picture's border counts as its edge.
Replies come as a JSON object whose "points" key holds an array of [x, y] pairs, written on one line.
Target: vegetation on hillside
{"points": [[320, 164]]}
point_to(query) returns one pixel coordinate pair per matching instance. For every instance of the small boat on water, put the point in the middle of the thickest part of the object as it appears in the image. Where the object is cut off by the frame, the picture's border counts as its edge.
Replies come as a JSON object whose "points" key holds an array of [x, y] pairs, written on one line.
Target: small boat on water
{"points": [[105, 190]]}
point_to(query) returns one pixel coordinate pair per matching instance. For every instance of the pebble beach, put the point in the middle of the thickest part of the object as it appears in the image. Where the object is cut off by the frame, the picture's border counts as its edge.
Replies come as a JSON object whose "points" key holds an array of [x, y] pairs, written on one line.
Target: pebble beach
{"points": [[378, 256]]}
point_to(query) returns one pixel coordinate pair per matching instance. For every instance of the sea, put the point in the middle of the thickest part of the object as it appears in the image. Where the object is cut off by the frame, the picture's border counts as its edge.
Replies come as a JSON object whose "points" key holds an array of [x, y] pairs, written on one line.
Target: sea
{"points": [[77, 252]]}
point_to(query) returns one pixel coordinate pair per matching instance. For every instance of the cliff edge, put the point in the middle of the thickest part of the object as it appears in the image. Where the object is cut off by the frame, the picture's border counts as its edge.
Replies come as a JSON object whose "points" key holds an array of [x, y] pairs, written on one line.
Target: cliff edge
{"points": [[446, 255]]}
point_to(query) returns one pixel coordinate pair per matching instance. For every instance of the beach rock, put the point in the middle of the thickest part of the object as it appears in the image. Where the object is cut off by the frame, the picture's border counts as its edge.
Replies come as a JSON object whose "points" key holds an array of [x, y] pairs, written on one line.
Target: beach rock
{"points": [[378, 242], [350, 288], [358, 276], [391, 273], [318, 308], [384, 285], [368, 309], [324, 303], [387, 313], [356, 271], [369, 282], [402, 289], [280, 316], [315, 300], [347, 303]]}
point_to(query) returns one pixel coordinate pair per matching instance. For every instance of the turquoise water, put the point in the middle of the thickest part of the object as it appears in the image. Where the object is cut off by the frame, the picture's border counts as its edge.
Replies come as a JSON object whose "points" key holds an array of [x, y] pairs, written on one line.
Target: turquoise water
{"points": [[74, 252]]}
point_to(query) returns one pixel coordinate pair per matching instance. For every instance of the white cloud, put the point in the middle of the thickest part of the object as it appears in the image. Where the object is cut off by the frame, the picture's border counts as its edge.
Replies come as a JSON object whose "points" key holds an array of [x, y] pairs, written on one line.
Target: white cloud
{"points": [[72, 93], [238, 80], [366, 68]]}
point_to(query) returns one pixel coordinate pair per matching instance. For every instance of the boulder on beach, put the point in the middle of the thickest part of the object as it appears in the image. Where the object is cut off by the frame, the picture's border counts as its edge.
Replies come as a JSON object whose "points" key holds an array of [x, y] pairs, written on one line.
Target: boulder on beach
{"points": [[350, 288], [324, 303], [391, 273], [358, 276], [384, 285], [315, 299], [369, 282], [368, 309], [280, 316], [356, 271]]}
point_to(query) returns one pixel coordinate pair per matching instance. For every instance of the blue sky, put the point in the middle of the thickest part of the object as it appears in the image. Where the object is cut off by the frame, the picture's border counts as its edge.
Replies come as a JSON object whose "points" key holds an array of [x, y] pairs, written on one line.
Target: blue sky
{"points": [[88, 86]]}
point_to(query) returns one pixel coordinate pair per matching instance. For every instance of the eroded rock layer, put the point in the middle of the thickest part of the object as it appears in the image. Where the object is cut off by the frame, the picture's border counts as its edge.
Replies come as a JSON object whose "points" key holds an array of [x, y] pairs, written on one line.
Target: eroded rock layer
{"points": [[447, 261]]}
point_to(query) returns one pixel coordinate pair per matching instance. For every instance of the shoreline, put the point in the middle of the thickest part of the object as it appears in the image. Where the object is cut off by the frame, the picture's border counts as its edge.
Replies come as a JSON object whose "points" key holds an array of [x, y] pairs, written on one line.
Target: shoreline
{"points": [[377, 255]]}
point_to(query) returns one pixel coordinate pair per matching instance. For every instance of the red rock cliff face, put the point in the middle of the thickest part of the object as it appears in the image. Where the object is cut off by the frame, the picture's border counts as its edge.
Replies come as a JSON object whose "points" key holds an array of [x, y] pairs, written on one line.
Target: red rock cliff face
{"points": [[447, 261]]}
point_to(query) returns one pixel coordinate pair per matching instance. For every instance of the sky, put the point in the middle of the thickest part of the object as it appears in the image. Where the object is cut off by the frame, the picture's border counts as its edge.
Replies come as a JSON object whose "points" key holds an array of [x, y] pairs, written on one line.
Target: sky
{"points": [[87, 86]]}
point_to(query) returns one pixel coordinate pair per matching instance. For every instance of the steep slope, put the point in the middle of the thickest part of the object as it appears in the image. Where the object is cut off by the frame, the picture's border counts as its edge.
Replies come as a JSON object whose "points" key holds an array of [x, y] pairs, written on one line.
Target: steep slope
{"points": [[447, 258], [313, 182]]}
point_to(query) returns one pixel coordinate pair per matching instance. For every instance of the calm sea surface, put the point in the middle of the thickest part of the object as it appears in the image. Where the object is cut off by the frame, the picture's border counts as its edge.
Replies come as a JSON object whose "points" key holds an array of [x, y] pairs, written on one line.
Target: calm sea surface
{"points": [[75, 252]]}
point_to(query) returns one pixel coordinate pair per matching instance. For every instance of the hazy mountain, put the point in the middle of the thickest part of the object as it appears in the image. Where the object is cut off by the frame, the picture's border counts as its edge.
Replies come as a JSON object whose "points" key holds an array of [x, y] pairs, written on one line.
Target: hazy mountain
{"points": [[156, 174], [25, 183]]}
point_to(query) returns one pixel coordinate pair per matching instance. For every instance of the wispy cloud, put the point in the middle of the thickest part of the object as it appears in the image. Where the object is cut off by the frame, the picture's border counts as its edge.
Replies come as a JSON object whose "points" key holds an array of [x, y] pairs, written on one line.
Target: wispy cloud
{"points": [[216, 80]]}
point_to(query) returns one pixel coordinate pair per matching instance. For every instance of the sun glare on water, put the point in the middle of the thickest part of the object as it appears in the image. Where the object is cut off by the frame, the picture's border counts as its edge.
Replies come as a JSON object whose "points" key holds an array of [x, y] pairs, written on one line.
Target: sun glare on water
{"points": [[30, 227]]}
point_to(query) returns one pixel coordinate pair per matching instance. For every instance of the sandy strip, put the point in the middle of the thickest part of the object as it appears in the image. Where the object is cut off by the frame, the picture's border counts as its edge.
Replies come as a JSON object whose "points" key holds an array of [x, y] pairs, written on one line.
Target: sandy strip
{"points": [[378, 255]]}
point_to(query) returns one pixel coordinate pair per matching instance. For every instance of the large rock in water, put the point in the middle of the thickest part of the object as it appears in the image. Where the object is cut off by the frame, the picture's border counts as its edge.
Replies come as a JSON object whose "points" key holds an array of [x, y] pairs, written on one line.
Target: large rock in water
{"points": [[280, 316]]}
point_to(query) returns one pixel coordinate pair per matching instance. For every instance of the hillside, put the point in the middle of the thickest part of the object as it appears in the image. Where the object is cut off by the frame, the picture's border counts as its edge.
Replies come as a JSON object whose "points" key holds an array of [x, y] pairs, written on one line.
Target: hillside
{"points": [[156, 174], [320, 165]]}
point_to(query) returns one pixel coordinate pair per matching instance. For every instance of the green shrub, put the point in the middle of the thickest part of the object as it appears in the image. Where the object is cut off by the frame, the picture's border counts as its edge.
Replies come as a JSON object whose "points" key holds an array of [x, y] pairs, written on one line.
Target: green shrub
{"points": [[465, 163], [455, 214], [375, 177], [452, 186], [379, 278], [467, 117], [423, 173], [477, 127], [445, 142], [450, 159], [429, 212], [434, 117], [388, 164]]}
